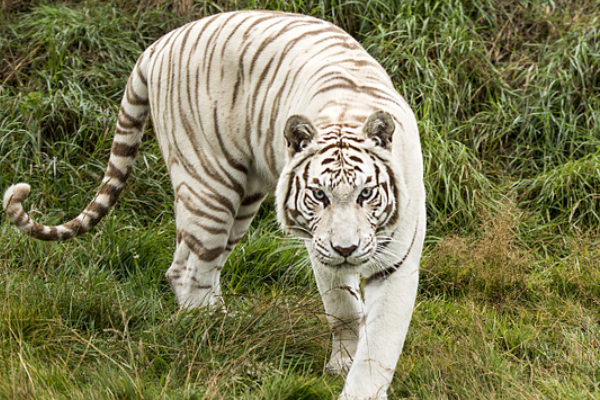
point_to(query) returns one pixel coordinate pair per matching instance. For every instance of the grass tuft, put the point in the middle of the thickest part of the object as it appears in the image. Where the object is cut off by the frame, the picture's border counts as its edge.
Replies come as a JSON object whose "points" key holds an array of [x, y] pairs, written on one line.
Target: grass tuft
{"points": [[567, 193], [491, 267]]}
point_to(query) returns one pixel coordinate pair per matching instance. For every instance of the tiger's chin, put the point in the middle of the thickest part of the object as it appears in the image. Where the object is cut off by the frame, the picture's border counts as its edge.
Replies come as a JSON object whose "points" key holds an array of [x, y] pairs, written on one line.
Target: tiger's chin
{"points": [[345, 266]]}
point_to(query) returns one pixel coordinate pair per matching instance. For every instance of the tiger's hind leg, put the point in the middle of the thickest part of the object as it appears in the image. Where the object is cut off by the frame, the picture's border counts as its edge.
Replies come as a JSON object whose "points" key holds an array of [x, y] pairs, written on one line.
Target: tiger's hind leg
{"points": [[204, 241], [246, 212], [203, 228], [194, 281]]}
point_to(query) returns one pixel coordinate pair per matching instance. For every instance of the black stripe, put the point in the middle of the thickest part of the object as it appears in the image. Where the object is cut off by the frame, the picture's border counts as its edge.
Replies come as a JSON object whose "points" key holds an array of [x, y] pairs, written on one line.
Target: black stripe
{"points": [[256, 91], [196, 246], [393, 218], [140, 75], [383, 275], [230, 159], [212, 39], [132, 97], [97, 208], [111, 191], [207, 22], [253, 198], [124, 150], [208, 169], [236, 87], [190, 205], [245, 216], [226, 42], [115, 173], [121, 131], [269, 151], [128, 122], [233, 242], [263, 45], [37, 231], [18, 220], [256, 22], [75, 228], [211, 230]]}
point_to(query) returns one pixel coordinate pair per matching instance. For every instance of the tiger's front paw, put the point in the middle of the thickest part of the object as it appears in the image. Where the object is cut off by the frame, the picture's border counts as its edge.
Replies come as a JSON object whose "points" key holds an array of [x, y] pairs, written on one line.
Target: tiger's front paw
{"points": [[338, 365], [344, 396]]}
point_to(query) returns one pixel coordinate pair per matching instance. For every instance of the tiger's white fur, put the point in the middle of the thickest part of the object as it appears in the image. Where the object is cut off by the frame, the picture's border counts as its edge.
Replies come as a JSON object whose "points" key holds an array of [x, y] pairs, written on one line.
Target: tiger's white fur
{"points": [[246, 102]]}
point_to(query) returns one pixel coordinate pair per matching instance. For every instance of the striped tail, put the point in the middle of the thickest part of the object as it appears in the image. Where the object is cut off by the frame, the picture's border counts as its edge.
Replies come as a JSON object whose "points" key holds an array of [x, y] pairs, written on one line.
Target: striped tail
{"points": [[128, 137]]}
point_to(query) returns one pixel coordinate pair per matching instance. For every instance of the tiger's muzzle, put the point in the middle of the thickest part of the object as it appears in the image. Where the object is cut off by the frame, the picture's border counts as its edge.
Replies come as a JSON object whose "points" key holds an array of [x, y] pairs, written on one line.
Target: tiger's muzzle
{"points": [[344, 237]]}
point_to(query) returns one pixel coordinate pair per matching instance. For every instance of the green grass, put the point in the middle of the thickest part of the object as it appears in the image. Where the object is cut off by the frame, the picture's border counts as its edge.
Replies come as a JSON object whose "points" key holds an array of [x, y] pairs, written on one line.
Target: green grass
{"points": [[507, 95]]}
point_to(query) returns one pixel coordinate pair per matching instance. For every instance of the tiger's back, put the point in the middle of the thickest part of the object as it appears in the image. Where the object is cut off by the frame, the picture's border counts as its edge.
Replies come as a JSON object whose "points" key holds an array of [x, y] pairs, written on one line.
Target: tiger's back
{"points": [[247, 103], [239, 75]]}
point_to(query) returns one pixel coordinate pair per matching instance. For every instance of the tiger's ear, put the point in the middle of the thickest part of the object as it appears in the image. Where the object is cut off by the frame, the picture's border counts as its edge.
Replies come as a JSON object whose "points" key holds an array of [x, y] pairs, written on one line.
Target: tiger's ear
{"points": [[380, 127], [299, 132]]}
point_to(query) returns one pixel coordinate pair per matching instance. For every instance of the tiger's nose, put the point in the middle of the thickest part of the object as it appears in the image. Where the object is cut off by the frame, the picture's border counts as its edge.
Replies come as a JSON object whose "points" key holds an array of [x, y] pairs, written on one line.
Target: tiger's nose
{"points": [[345, 251]]}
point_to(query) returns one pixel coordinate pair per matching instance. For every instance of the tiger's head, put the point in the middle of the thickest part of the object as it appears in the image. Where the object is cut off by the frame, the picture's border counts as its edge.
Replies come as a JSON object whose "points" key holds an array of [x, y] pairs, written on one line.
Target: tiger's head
{"points": [[339, 190]]}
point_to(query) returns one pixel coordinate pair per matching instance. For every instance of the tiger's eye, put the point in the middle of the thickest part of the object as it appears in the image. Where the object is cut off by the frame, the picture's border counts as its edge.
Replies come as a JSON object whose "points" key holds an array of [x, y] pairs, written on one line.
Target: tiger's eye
{"points": [[319, 194], [366, 192]]}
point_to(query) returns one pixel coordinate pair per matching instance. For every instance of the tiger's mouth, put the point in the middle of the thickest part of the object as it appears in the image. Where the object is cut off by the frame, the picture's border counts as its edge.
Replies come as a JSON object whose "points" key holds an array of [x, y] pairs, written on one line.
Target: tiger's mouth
{"points": [[346, 263]]}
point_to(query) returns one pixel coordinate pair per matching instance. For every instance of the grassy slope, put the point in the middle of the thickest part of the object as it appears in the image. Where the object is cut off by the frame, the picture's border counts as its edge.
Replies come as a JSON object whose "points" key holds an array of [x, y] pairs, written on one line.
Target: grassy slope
{"points": [[508, 98]]}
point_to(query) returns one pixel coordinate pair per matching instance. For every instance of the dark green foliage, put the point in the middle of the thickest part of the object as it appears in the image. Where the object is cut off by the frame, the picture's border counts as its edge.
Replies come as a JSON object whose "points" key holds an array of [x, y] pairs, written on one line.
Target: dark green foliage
{"points": [[294, 388], [567, 193]]}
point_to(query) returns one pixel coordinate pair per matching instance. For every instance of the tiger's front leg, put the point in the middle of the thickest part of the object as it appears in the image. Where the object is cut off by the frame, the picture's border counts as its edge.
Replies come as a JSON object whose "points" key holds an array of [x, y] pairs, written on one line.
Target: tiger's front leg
{"points": [[344, 311], [389, 304]]}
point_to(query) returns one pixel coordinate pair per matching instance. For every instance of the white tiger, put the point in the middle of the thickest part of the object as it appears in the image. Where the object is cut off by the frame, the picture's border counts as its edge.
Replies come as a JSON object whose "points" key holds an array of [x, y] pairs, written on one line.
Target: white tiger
{"points": [[247, 102]]}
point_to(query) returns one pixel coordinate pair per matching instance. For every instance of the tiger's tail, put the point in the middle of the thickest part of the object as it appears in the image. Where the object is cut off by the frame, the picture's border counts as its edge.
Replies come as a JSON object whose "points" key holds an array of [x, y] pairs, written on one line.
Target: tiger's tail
{"points": [[128, 137]]}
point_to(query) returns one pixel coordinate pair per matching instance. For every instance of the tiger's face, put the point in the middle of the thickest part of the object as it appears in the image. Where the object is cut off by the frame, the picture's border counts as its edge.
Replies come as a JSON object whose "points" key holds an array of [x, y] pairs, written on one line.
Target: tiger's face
{"points": [[339, 191]]}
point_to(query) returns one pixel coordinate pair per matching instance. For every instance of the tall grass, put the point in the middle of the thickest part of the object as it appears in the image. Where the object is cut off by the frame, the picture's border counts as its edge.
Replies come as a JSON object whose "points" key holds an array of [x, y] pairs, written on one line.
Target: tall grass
{"points": [[507, 94]]}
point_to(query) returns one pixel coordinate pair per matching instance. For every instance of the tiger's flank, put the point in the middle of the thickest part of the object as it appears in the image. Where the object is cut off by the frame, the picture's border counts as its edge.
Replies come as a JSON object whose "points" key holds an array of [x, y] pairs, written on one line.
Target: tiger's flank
{"points": [[251, 102]]}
